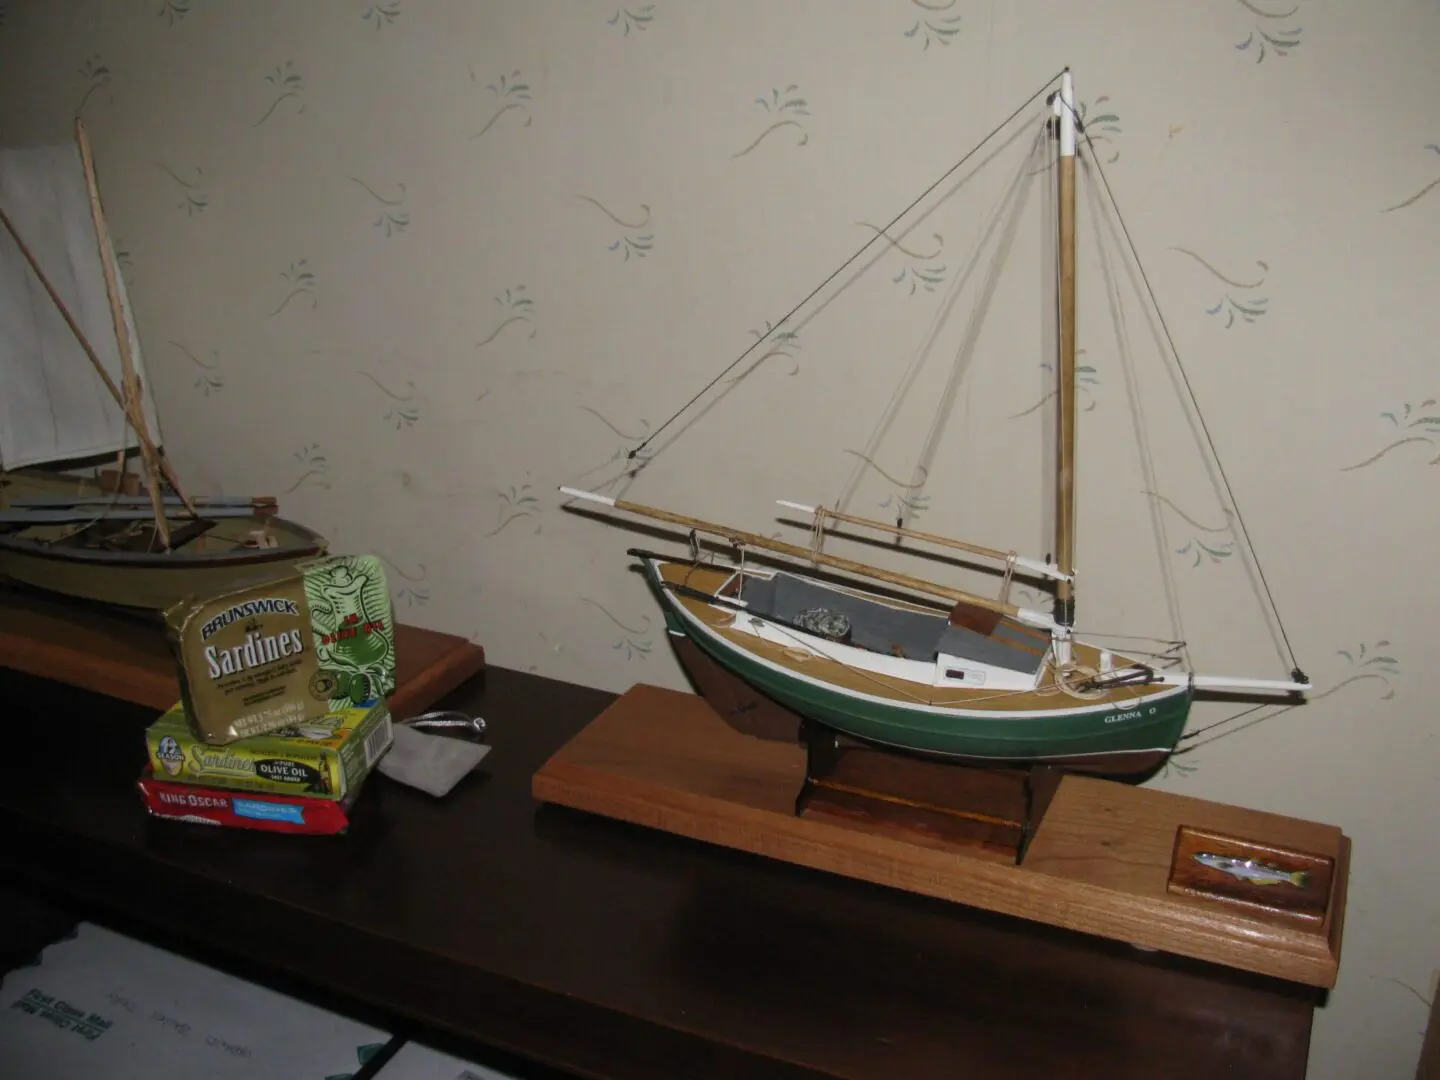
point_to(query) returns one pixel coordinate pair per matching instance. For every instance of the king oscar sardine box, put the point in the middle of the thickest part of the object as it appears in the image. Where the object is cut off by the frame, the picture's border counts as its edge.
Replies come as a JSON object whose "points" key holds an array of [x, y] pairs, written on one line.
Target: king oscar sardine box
{"points": [[285, 648], [326, 757], [198, 804]]}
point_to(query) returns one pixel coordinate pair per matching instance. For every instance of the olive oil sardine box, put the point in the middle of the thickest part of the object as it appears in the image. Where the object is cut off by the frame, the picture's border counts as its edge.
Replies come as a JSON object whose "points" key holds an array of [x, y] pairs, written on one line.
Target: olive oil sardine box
{"points": [[283, 649], [263, 811], [326, 758]]}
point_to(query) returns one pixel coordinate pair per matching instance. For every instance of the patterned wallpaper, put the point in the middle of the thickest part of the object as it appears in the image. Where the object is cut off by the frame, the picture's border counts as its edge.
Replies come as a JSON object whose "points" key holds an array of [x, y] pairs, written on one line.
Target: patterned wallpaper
{"points": [[411, 265]]}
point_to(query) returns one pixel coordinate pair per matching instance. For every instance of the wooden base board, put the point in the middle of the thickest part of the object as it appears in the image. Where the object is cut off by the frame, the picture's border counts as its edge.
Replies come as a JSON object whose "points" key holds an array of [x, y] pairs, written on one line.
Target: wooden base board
{"points": [[128, 659], [1099, 863]]}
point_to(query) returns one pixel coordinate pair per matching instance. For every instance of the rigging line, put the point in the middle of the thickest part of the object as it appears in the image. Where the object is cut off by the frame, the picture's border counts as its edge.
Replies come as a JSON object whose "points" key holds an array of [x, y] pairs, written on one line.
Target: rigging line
{"points": [[964, 354], [1233, 731], [1232, 717], [1280, 623], [922, 353], [1141, 428], [839, 269]]}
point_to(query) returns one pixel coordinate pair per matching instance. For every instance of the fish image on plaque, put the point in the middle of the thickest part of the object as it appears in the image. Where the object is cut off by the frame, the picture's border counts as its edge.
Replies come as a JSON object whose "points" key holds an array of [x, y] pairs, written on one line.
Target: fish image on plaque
{"points": [[1269, 875], [1253, 870]]}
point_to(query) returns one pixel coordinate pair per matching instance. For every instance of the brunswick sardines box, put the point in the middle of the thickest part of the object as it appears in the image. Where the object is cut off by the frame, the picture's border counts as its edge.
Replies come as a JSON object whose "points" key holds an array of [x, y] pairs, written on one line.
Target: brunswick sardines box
{"points": [[284, 649], [326, 758]]}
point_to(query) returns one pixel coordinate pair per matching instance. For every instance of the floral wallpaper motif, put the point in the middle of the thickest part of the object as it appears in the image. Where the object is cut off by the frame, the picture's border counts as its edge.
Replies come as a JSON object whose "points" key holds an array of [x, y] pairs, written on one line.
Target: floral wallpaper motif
{"points": [[286, 85], [382, 15], [1433, 148], [925, 269], [509, 93], [190, 186], [935, 23], [784, 109], [637, 18], [399, 404], [409, 582], [1101, 127], [423, 263], [310, 467], [1250, 306], [1411, 425], [906, 500], [209, 378], [97, 78], [1273, 28], [299, 287], [1087, 382], [516, 309], [636, 238], [1205, 544], [390, 215], [515, 504]]}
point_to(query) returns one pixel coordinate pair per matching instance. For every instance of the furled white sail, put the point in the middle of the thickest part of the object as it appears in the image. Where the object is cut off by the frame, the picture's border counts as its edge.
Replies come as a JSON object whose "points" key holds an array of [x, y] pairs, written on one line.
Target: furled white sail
{"points": [[54, 407]]}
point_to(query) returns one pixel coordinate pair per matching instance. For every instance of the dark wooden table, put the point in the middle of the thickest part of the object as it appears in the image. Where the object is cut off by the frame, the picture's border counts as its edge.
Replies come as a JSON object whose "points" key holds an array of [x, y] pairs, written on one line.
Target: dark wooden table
{"points": [[603, 949]]}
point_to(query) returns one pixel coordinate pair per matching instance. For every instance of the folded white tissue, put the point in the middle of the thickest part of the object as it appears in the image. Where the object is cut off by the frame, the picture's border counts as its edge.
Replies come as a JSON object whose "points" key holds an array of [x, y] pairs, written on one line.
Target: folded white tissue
{"points": [[432, 763]]}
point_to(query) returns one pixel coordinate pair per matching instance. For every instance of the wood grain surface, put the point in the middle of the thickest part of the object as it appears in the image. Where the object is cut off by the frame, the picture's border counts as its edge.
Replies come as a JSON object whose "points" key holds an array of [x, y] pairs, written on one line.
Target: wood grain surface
{"points": [[1099, 863], [127, 657]]}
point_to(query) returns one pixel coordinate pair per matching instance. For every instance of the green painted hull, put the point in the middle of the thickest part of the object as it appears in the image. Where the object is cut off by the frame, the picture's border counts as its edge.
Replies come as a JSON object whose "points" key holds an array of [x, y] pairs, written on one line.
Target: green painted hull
{"points": [[1102, 738]]}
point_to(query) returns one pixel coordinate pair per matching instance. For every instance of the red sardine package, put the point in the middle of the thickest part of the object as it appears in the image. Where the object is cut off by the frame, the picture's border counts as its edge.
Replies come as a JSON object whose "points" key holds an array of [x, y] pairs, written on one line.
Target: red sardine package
{"points": [[244, 809]]}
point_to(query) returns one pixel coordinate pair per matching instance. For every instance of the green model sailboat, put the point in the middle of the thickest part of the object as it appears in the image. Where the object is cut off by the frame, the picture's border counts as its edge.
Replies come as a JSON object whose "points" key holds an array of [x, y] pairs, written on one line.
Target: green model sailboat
{"points": [[945, 672]]}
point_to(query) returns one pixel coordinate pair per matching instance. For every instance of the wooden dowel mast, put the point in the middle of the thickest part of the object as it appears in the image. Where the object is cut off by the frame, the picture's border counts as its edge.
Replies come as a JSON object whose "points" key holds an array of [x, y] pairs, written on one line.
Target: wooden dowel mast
{"points": [[133, 403], [1065, 479]]}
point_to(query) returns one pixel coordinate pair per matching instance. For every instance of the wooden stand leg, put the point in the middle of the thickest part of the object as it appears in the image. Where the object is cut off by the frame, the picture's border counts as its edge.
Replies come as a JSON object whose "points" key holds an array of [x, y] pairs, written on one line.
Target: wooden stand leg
{"points": [[998, 809]]}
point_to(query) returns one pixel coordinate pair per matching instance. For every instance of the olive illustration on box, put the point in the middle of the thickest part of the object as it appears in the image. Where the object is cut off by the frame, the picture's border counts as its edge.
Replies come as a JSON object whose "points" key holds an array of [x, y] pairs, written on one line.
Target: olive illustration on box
{"points": [[349, 605]]}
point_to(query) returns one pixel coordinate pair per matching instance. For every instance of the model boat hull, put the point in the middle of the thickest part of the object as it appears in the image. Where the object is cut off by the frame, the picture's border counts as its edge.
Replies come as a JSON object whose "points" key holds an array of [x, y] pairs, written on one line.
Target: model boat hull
{"points": [[39, 558], [1126, 732]]}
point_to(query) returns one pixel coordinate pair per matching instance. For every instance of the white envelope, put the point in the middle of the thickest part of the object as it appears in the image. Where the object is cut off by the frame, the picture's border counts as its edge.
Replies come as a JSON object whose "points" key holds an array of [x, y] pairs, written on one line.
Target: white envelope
{"points": [[415, 1061], [103, 1006]]}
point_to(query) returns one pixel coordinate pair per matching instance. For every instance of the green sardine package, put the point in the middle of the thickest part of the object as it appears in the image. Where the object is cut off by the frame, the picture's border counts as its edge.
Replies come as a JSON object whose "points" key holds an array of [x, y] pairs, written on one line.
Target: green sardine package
{"points": [[280, 650]]}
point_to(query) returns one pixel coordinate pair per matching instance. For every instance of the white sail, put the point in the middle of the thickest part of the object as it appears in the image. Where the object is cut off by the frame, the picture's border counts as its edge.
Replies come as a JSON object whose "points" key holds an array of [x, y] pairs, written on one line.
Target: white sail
{"points": [[53, 405]]}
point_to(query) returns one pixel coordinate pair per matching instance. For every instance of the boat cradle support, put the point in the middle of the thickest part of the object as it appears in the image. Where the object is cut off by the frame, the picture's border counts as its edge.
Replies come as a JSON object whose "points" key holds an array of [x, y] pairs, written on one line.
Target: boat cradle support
{"points": [[968, 804]]}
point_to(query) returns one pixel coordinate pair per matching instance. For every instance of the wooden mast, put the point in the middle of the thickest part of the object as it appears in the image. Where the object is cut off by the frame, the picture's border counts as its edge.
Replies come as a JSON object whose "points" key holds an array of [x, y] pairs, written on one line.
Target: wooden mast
{"points": [[131, 404], [1065, 479]]}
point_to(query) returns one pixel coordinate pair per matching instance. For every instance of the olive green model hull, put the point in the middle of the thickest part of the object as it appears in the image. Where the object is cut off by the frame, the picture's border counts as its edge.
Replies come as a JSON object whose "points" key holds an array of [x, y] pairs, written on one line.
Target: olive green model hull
{"points": [[39, 557]]}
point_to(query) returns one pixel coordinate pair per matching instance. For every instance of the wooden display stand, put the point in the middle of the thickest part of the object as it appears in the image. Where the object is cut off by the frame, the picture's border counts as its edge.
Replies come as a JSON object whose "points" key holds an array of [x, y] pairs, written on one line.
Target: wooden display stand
{"points": [[129, 659], [1102, 858]]}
